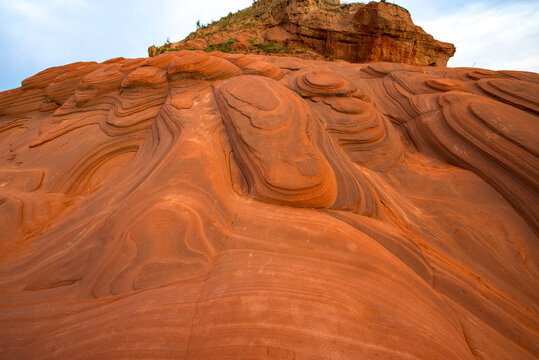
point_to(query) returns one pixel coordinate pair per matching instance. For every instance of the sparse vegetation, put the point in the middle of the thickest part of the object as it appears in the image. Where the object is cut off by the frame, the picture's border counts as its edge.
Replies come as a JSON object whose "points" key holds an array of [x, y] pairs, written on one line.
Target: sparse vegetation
{"points": [[225, 46], [163, 49], [270, 47], [251, 19], [329, 57]]}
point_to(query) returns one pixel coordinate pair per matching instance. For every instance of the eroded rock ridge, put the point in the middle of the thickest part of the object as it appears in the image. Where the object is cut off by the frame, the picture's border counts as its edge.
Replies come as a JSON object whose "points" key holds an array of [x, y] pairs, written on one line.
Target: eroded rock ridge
{"points": [[358, 33]]}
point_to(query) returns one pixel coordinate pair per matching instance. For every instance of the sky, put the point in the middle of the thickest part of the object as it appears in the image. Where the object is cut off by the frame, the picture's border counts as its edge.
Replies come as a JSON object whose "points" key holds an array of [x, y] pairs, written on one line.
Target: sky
{"points": [[37, 34]]}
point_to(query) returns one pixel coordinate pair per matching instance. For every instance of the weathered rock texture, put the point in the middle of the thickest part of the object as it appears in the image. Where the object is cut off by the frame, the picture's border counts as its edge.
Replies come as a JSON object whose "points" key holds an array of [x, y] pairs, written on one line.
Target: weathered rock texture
{"points": [[195, 206], [320, 28]]}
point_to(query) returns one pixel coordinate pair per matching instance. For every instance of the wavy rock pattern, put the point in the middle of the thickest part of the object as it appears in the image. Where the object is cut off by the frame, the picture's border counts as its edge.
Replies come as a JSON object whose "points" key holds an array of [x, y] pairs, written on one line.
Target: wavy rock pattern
{"points": [[270, 125], [194, 206]]}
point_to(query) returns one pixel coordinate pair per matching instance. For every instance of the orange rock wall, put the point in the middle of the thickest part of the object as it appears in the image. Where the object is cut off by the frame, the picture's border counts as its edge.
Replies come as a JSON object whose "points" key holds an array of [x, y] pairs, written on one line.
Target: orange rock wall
{"points": [[354, 32], [375, 32], [195, 206]]}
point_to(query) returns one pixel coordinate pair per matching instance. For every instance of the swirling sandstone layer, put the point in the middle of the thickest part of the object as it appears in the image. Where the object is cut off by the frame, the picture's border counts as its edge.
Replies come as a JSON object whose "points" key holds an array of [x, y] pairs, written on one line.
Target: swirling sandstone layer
{"points": [[202, 206], [377, 31]]}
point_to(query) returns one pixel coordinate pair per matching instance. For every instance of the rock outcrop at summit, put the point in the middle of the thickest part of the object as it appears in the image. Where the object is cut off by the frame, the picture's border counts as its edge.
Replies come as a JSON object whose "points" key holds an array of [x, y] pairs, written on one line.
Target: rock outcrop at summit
{"points": [[359, 33], [203, 206]]}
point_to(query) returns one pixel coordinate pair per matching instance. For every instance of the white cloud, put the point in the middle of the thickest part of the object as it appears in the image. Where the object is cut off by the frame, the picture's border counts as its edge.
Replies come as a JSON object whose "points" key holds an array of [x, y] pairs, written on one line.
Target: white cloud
{"points": [[501, 37], [37, 35]]}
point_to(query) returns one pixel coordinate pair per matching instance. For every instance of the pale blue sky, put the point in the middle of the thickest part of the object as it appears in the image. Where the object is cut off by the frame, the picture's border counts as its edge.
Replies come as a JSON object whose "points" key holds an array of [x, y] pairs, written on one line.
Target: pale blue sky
{"points": [[37, 34]]}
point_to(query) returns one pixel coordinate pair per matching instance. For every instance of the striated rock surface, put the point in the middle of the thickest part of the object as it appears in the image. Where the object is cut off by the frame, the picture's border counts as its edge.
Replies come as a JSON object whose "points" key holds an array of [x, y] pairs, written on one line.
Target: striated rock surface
{"points": [[377, 31], [203, 206]]}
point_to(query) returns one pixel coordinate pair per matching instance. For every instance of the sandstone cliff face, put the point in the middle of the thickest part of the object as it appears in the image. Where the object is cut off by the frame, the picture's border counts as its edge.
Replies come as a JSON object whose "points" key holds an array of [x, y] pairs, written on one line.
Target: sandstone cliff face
{"points": [[319, 28], [202, 206]]}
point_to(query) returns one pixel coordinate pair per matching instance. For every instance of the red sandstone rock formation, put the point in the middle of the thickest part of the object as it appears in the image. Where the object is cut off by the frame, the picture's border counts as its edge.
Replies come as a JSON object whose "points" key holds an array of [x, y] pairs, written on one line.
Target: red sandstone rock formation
{"points": [[195, 206], [377, 31]]}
